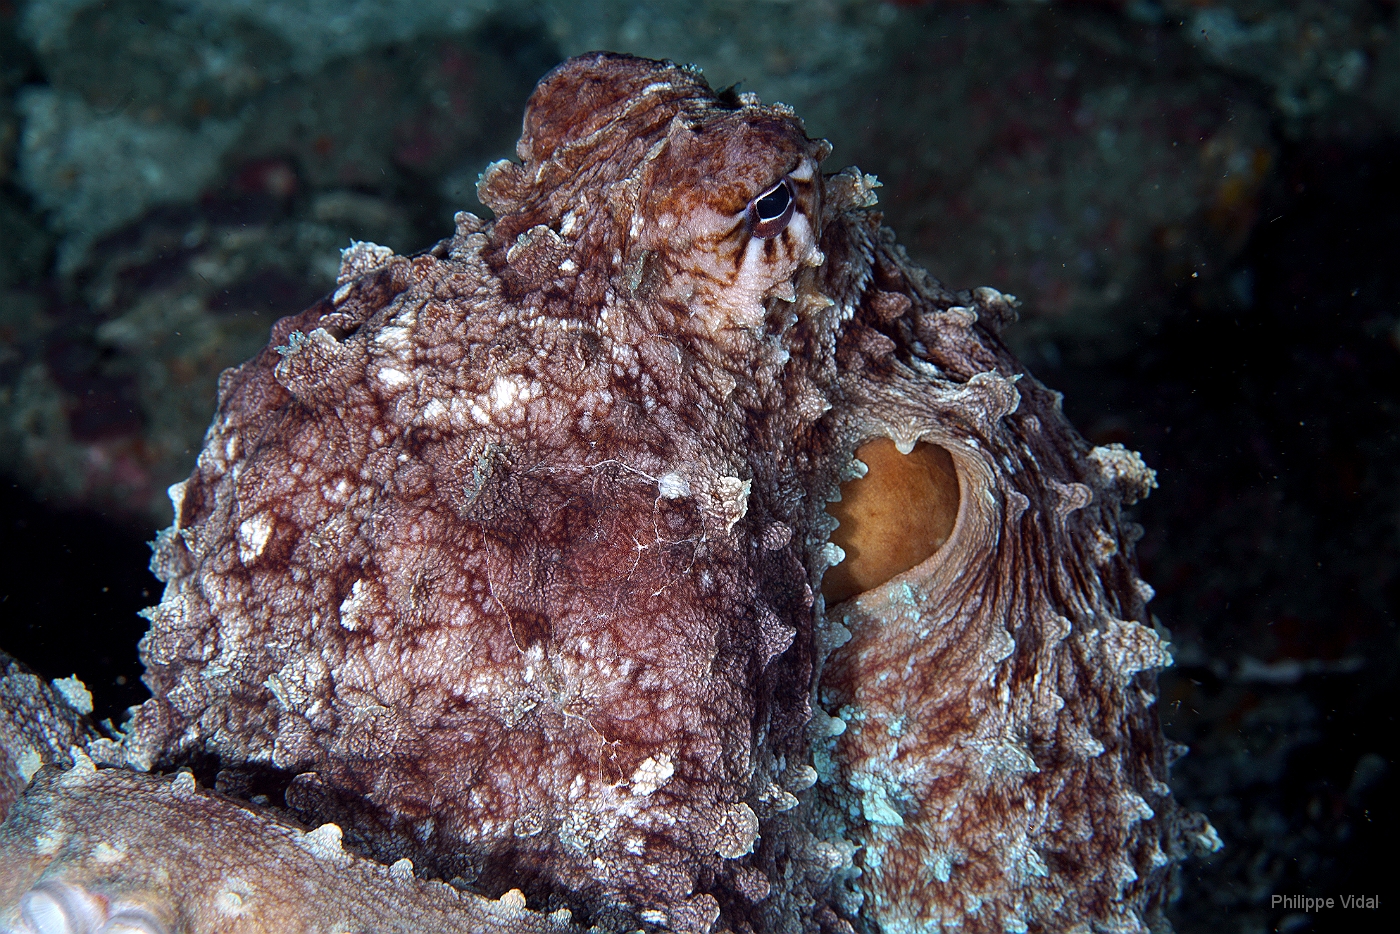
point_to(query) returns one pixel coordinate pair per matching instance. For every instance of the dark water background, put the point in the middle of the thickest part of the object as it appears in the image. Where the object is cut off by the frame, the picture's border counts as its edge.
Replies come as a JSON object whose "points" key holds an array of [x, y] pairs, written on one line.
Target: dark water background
{"points": [[1198, 202]]}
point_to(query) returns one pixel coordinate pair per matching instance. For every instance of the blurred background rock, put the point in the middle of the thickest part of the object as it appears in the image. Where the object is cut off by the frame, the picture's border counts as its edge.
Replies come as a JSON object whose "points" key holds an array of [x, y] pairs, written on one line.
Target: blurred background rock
{"points": [[1197, 202]]}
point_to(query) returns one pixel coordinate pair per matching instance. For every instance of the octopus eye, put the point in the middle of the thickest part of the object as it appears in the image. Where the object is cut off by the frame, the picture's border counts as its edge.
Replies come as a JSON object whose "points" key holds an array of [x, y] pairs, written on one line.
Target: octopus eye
{"points": [[770, 212]]}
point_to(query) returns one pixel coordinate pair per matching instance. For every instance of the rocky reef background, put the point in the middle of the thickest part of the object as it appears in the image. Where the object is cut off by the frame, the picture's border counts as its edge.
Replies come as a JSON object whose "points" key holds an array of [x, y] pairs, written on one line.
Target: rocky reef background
{"points": [[1198, 203]]}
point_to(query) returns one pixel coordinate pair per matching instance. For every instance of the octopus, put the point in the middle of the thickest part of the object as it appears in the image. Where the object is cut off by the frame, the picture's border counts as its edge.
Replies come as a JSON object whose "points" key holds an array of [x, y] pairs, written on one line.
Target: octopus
{"points": [[668, 553]]}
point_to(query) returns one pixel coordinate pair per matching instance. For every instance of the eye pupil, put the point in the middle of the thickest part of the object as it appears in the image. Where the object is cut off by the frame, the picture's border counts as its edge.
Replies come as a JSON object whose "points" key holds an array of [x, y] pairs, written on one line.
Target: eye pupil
{"points": [[772, 205], [769, 213]]}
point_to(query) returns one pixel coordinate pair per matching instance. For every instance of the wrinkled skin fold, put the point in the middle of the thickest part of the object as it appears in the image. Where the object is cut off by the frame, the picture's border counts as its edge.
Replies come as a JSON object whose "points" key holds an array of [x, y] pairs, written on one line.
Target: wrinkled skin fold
{"points": [[513, 560]]}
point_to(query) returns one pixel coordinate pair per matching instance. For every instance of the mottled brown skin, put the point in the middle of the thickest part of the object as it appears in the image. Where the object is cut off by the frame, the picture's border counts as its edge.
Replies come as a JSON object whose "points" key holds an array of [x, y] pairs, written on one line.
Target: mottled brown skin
{"points": [[553, 676], [509, 558]]}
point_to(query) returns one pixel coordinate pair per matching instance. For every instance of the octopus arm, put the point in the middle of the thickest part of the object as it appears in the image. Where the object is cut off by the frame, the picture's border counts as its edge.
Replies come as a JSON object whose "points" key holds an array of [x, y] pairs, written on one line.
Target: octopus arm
{"points": [[89, 847]]}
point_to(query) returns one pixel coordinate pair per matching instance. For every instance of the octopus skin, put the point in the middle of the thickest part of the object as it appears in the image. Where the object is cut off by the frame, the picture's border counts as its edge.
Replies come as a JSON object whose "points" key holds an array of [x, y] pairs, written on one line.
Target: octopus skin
{"points": [[671, 552]]}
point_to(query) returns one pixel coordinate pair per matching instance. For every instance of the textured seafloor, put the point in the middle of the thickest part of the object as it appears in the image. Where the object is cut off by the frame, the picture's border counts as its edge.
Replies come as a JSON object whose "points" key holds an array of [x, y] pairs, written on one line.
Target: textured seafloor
{"points": [[1197, 203]]}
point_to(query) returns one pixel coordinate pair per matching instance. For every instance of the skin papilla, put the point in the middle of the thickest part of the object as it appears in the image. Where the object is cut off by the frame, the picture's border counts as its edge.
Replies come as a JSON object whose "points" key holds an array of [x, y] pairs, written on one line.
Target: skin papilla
{"points": [[519, 559]]}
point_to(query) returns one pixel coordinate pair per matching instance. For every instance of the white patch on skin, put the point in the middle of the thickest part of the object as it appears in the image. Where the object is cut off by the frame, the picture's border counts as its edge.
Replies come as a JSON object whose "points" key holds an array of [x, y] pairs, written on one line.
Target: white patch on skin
{"points": [[28, 763], [106, 853], [655, 87], [74, 693], [350, 607], [652, 774], [1145, 591], [392, 378], [323, 339], [740, 832], [733, 496], [394, 338], [324, 843], [48, 842], [434, 411], [577, 788], [229, 903], [673, 486], [503, 392], [361, 257], [176, 493], [233, 898], [252, 537]]}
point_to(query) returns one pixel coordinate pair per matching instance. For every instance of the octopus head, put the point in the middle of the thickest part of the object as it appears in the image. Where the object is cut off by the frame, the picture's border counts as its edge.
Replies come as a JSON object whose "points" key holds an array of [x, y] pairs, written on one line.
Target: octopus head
{"points": [[662, 192]]}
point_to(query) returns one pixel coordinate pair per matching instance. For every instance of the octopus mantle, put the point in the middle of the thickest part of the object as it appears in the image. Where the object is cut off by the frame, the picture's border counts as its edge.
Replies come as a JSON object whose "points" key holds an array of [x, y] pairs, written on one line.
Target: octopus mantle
{"points": [[670, 551]]}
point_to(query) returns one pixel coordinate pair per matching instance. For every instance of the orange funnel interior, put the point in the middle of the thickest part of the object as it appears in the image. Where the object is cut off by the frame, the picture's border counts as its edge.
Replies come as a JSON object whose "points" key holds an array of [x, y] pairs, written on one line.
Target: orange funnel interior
{"points": [[897, 515]]}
